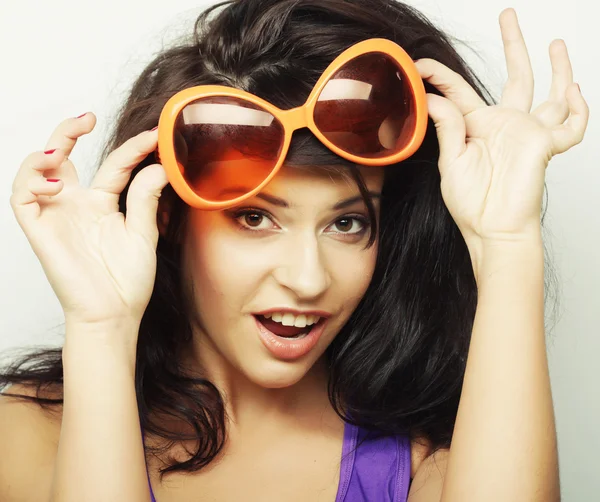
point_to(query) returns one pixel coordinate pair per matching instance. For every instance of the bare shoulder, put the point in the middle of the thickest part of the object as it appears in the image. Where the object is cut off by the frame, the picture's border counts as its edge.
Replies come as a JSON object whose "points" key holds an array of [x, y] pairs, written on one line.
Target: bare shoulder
{"points": [[428, 469], [29, 437]]}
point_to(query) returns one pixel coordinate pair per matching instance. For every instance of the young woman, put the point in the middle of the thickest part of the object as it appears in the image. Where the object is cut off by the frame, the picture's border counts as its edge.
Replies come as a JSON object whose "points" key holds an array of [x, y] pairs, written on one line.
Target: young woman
{"points": [[357, 318]]}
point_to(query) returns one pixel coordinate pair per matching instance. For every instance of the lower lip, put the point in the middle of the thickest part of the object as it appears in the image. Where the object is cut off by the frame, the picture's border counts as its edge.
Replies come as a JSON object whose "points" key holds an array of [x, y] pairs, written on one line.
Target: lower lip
{"points": [[289, 348]]}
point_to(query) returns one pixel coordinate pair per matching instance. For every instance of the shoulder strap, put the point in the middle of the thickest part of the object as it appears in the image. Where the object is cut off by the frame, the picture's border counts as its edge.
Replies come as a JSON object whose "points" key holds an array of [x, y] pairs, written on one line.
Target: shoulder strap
{"points": [[347, 465], [378, 470], [404, 457]]}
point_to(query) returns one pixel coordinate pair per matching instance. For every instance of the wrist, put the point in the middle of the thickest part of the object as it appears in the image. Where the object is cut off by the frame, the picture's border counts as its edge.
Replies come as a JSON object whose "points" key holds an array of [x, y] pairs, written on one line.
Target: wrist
{"points": [[490, 256], [115, 338], [106, 330]]}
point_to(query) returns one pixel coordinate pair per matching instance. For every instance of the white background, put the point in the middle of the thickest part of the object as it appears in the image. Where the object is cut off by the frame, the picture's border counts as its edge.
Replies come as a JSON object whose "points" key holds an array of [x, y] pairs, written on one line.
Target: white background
{"points": [[66, 57]]}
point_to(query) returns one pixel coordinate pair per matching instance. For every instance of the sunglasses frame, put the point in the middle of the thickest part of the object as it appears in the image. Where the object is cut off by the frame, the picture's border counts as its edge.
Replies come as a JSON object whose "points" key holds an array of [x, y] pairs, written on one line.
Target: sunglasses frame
{"points": [[291, 120]]}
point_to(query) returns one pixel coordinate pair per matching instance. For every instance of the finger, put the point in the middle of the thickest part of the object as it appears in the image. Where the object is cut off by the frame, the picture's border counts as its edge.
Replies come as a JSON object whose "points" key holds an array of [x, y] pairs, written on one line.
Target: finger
{"points": [[450, 126], [562, 71], [37, 164], [518, 90], [114, 174], [555, 110], [142, 202], [67, 133], [571, 133], [64, 137], [451, 84], [25, 200]]}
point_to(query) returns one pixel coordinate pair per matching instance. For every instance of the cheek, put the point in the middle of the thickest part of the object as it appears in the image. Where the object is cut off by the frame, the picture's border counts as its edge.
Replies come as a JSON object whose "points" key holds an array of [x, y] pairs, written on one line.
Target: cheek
{"points": [[224, 271], [353, 272]]}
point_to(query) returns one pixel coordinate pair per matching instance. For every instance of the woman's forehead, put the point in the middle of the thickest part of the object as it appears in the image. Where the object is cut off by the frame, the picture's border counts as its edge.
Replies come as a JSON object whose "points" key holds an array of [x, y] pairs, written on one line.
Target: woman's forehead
{"points": [[321, 180], [317, 188]]}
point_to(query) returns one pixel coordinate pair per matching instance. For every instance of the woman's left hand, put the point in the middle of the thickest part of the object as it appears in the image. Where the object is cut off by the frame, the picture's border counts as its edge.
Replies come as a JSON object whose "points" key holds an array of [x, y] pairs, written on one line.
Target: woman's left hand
{"points": [[493, 158]]}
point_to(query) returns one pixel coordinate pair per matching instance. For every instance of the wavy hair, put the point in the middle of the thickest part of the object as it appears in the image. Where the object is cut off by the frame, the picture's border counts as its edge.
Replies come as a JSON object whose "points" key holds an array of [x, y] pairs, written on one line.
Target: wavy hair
{"points": [[397, 365]]}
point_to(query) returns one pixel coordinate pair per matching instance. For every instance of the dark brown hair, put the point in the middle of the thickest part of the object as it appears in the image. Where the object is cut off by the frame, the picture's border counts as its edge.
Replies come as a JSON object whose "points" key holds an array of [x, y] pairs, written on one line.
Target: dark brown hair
{"points": [[397, 365]]}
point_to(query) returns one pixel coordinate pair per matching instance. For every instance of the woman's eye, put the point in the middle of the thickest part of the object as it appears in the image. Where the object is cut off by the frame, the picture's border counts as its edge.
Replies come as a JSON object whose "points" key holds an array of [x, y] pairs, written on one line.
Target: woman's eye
{"points": [[344, 225], [253, 220], [350, 225]]}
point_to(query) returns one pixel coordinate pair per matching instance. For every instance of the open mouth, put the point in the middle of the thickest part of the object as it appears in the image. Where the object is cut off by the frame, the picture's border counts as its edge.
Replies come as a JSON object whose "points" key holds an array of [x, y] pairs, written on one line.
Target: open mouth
{"points": [[291, 332], [289, 342]]}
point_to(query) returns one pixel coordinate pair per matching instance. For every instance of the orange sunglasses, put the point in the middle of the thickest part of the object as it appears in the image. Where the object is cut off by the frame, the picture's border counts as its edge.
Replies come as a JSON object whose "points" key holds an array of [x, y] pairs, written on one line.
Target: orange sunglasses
{"points": [[220, 145]]}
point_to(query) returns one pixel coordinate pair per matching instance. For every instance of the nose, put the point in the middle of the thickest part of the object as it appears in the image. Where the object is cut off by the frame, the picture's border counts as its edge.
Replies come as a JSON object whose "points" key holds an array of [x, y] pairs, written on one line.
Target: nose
{"points": [[303, 269]]}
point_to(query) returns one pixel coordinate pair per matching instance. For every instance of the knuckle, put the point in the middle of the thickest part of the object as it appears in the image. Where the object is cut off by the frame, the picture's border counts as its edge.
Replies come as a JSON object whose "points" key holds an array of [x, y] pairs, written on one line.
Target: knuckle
{"points": [[13, 200], [32, 159], [16, 199], [17, 182], [32, 183], [27, 169], [41, 159], [38, 161], [586, 108]]}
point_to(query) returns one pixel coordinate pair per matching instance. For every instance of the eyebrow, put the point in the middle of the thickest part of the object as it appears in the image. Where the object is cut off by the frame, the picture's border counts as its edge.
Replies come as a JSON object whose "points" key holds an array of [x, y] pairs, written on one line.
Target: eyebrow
{"points": [[276, 201]]}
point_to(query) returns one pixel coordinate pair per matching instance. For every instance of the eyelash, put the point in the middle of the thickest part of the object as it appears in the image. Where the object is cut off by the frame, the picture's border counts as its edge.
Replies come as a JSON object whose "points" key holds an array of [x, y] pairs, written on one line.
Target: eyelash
{"points": [[236, 215]]}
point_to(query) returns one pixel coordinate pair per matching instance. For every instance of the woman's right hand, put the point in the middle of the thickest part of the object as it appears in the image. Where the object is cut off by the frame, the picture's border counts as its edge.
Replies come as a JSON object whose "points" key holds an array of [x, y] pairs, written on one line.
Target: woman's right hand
{"points": [[101, 264]]}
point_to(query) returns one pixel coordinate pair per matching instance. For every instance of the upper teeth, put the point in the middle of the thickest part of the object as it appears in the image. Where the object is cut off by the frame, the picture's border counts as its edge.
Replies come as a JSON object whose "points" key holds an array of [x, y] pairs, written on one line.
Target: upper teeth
{"points": [[287, 319]]}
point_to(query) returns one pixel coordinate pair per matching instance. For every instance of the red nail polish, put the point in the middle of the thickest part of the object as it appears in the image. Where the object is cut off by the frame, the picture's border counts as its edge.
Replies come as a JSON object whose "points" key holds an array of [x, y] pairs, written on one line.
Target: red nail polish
{"points": [[49, 152], [52, 180], [81, 115]]}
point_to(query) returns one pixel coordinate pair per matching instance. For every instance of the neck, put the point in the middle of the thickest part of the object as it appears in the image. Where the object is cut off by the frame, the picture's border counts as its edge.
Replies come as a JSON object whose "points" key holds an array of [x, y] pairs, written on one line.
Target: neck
{"points": [[251, 406]]}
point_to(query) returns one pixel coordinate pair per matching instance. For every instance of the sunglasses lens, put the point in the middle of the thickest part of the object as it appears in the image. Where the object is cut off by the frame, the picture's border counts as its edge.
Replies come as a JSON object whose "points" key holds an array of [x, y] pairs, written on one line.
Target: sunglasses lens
{"points": [[226, 146], [367, 108]]}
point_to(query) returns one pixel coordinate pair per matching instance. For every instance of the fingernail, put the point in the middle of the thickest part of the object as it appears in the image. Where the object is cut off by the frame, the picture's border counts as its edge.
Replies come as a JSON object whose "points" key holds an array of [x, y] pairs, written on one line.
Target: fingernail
{"points": [[154, 128], [578, 88], [49, 152], [83, 114], [52, 180]]}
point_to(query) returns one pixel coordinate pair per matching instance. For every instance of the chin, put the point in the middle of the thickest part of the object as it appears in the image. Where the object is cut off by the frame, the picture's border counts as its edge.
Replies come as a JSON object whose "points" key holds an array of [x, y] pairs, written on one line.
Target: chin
{"points": [[277, 374]]}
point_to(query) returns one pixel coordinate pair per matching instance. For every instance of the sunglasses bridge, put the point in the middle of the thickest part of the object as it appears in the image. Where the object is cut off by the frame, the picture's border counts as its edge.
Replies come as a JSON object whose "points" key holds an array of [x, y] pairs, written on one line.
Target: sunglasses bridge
{"points": [[294, 118]]}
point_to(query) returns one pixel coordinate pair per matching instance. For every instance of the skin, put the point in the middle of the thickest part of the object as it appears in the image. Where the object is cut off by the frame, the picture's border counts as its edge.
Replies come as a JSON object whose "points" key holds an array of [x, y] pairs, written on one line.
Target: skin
{"points": [[307, 256], [304, 257], [485, 153]]}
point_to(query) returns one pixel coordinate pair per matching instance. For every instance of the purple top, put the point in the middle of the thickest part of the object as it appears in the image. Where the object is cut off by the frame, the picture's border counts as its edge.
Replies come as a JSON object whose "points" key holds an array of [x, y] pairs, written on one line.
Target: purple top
{"points": [[377, 471]]}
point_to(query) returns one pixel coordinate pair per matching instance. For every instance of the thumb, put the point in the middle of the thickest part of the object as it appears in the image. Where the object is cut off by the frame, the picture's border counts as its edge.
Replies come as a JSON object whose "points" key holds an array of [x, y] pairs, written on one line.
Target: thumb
{"points": [[142, 201], [450, 127]]}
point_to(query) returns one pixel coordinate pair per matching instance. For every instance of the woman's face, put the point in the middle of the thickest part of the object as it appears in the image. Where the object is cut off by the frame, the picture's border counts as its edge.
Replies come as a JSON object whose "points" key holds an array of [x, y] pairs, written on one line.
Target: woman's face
{"points": [[299, 247]]}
